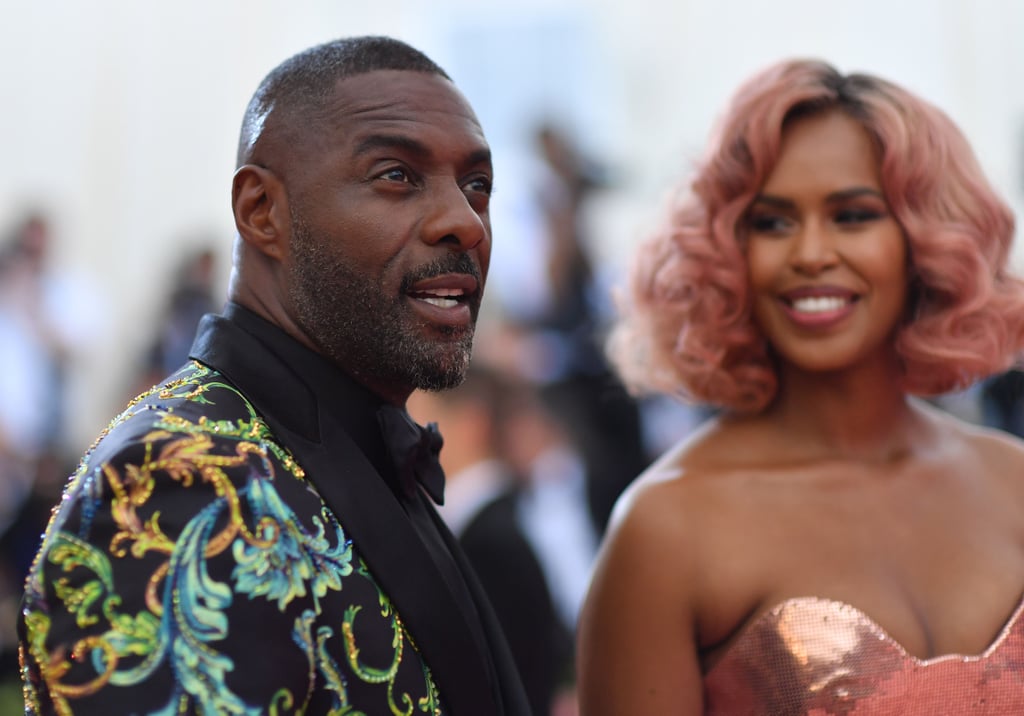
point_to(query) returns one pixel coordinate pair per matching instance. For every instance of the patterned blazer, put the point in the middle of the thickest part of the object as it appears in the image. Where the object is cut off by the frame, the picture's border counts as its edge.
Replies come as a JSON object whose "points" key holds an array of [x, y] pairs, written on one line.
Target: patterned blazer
{"points": [[226, 548]]}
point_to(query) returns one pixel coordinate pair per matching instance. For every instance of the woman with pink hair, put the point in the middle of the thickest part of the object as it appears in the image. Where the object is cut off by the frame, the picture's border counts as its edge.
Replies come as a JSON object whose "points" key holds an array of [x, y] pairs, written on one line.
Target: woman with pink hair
{"points": [[830, 544]]}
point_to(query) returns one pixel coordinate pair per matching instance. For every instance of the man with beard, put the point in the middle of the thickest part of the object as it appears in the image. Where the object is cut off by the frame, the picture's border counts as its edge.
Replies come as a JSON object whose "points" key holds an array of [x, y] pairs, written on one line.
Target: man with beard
{"points": [[255, 534]]}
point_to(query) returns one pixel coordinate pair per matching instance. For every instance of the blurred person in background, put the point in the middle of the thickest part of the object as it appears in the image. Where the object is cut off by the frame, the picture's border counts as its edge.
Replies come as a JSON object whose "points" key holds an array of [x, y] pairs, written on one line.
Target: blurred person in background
{"points": [[484, 497], [46, 318], [555, 316], [1001, 399], [36, 345], [29, 376], [553, 506], [191, 296], [830, 543]]}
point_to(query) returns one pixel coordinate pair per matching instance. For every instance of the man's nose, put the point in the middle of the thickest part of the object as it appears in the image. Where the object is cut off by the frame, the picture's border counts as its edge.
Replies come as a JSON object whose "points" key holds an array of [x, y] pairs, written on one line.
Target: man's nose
{"points": [[454, 219]]}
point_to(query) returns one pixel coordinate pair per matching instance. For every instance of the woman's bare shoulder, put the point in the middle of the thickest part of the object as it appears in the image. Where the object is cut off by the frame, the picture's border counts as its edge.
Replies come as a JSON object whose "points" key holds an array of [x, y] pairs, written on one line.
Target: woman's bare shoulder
{"points": [[678, 489], [690, 528], [980, 454], [982, 442]]}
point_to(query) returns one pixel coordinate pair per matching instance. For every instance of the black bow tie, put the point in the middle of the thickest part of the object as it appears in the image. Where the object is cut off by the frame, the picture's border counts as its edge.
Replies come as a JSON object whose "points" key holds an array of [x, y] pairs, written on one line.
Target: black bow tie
{"points": [[414, 451]]}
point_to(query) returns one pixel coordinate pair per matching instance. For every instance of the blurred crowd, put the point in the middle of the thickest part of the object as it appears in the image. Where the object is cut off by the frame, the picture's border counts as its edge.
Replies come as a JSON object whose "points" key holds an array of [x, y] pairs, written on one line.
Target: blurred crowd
{"points": [[540, 440]]}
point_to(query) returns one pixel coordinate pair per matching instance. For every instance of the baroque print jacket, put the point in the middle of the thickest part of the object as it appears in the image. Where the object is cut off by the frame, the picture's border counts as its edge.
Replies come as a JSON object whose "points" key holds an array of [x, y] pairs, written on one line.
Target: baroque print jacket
{"points": [[193, 566]]}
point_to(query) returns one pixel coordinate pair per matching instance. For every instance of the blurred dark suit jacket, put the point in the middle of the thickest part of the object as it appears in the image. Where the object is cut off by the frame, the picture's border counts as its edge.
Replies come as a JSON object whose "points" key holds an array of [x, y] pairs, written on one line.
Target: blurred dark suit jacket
{"points": [[511, 574]]}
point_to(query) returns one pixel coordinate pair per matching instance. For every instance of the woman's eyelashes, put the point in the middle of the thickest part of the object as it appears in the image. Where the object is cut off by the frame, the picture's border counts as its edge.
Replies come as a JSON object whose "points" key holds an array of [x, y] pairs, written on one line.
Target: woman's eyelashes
{"points": [[765, 223], [759, 222], [853, 216]]}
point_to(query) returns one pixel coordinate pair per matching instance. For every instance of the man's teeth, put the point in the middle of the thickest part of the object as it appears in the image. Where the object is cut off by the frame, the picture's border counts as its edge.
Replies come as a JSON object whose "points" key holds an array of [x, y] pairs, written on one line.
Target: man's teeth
{"points": [[818, 304], [441, 302], [443, 297]]}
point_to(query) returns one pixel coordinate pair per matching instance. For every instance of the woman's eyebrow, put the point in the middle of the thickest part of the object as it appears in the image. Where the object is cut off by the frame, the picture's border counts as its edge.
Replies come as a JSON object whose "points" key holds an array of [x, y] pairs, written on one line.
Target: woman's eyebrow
{"points": [[853, 193], [836, 196], [771, 200]]}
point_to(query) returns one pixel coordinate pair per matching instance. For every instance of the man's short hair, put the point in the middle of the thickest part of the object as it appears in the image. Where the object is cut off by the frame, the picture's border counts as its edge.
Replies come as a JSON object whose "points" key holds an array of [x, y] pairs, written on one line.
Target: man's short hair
{"points": [[301, 86]]}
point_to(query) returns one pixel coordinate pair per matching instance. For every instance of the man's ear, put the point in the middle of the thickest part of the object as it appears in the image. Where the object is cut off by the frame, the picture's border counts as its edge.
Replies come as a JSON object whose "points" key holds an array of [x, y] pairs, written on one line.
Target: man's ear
{"points": [[260, 205]]}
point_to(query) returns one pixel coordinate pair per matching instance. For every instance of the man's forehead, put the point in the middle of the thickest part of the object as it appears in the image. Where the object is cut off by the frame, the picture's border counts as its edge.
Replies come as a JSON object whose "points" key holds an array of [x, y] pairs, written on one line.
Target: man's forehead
{"points": [[383, 95], [402, 108]]}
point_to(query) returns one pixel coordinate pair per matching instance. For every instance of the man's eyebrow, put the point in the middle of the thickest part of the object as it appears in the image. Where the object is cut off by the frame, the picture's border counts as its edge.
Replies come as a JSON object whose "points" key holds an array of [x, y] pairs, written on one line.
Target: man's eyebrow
{"points": [[390, 141], [480, 156], [413, 146]]}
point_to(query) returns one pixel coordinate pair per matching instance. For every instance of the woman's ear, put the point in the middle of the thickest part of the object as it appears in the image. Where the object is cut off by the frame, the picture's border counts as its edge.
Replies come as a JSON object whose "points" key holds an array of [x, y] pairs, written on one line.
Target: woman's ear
{"points": [[260, 205]]}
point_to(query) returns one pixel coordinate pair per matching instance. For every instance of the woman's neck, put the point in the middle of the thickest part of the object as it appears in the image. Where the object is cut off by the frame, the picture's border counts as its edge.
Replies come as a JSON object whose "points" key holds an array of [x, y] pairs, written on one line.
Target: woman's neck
{"points": [[856, 415]]}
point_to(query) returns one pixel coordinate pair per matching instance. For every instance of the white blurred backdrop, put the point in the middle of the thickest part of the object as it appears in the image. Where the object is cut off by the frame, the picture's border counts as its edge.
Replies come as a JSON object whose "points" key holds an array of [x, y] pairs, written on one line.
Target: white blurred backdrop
{"points": [[120, 118]]}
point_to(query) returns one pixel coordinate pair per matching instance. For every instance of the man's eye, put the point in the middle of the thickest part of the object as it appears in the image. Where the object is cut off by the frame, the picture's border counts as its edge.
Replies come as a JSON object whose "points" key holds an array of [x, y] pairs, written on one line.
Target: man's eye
{"points": [[480, 184], [396, 174]]}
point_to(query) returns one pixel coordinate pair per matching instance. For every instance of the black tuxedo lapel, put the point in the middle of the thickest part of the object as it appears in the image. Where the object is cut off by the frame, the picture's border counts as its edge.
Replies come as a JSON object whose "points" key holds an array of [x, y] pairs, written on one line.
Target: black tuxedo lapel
{"points": [[380, 530], [366, 509]]}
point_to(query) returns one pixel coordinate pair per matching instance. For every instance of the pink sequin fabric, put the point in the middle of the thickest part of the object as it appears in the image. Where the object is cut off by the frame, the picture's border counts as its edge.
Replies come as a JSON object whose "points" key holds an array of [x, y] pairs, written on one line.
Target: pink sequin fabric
{"points": [[816, 657]]}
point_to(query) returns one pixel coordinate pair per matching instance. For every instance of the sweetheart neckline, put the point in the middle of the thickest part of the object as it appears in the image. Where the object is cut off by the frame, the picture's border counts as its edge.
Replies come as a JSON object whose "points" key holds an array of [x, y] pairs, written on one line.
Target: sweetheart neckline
{"points": [[878, 630]]}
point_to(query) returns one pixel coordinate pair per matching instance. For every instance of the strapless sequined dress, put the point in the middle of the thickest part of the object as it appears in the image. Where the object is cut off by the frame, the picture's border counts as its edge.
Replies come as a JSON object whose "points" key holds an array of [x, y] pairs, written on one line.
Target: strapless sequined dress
{"points": [[816, 657]]}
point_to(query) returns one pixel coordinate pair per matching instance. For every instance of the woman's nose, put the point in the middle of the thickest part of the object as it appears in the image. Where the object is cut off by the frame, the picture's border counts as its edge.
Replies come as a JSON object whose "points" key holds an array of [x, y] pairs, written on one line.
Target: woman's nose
{"points": [[813, 250]]}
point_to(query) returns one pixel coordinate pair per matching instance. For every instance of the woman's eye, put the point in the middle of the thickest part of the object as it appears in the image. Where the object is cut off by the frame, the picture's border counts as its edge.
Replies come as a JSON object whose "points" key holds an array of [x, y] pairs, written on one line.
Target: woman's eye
{"points": [[856, 216], [767, 223]]}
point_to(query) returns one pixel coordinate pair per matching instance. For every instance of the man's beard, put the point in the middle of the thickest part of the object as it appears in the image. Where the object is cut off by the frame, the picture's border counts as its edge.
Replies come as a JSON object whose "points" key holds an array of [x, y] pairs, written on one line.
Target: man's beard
{"points": [[371, 336]]}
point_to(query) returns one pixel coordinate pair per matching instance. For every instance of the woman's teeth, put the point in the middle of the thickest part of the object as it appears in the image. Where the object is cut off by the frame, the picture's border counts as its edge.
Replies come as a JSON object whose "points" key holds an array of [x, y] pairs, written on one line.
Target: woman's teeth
{"points": [[818, 304]]}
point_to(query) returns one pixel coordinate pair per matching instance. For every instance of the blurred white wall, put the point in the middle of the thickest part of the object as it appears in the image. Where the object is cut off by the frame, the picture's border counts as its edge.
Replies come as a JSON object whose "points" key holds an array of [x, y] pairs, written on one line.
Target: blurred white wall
{"points": [[121, 117]]}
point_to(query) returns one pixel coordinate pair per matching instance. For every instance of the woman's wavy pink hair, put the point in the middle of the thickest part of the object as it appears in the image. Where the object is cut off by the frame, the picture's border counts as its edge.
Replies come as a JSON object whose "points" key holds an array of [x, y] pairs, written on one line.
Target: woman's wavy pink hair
{"points": [[686, 327]]}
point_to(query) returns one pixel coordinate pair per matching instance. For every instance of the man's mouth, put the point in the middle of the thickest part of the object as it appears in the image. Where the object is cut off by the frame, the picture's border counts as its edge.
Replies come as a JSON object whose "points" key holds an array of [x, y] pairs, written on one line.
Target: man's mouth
{"points": [[448, 299], [441, 297]]}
